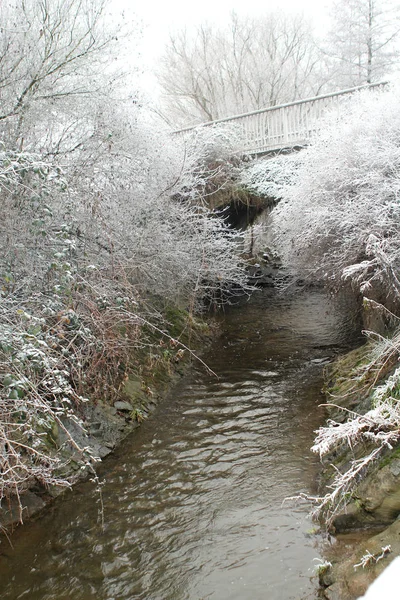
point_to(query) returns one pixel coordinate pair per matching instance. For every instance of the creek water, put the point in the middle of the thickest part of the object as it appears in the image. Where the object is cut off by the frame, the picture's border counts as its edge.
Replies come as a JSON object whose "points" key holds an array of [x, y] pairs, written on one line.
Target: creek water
{"points": [[194, 502]]}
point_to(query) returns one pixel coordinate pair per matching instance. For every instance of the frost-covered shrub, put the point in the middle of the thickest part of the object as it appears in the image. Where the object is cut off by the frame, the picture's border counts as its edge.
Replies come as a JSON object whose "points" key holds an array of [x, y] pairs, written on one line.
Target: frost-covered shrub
{"points": [[339, 215], [270, 177], [215, 155], [147, 199], [37, 398], [137, 203], [213, 143]]}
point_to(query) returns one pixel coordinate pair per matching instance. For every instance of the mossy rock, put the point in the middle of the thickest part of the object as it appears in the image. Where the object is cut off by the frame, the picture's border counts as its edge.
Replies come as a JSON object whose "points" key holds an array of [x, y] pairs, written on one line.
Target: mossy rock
{"points": [[177, 320], [133, 388], [376, 499], [53, 435], [347, 384]]}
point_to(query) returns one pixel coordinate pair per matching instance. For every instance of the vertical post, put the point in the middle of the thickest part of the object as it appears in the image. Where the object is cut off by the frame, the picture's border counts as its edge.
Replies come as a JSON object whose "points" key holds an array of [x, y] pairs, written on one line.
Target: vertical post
{"points": [[285, 128]]}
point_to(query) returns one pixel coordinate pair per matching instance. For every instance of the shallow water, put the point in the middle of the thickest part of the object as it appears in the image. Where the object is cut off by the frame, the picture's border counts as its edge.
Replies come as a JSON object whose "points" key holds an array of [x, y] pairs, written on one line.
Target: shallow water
{"points": [[194, 501]]}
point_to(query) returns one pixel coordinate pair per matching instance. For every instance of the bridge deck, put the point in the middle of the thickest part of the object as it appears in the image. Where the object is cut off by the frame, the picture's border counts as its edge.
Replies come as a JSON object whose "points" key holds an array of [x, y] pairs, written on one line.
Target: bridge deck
{"points": [[284, 126]]}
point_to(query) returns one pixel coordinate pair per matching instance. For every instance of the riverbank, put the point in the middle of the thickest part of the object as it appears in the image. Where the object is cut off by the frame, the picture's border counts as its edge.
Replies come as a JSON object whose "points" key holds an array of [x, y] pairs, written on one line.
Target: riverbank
{"points": [[77, 441], [360, 449]]}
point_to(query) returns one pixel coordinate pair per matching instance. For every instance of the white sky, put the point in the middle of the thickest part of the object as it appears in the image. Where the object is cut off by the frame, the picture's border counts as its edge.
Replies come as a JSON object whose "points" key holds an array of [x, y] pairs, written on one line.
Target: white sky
{"points": [[179, 12], [160, 17]]}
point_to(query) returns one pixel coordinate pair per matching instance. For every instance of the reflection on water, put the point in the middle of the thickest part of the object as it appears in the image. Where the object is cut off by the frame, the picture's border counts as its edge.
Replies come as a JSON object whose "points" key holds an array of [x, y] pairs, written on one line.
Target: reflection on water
{"points": [[193, 502]]}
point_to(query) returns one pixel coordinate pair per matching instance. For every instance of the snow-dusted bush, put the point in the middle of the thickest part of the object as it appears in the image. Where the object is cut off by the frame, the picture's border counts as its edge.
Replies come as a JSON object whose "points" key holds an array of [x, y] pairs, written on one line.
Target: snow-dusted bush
{"points": [[270, 177], [212, 143], [37, 397], [133, 198], [339, 214], [141, 206]]}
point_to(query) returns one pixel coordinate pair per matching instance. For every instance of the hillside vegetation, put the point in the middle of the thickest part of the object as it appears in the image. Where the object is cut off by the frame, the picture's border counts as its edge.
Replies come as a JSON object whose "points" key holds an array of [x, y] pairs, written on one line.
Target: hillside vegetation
{"points": [[103, 232]]}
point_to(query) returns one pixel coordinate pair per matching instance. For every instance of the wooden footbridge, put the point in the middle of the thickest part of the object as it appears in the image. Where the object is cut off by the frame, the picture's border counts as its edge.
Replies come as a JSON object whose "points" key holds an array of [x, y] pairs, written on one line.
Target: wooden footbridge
{"points": [[285, 126]]}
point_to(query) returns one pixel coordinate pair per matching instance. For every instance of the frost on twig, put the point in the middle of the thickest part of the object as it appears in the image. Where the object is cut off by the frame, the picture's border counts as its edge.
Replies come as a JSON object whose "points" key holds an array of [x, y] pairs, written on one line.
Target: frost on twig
{"points": [[342, 486], [369, 559], [379, 432]]}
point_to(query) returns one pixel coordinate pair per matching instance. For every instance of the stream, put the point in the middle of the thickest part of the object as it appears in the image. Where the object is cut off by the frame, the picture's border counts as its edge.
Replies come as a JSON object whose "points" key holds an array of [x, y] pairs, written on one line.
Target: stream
{"points": [[193, 502]]}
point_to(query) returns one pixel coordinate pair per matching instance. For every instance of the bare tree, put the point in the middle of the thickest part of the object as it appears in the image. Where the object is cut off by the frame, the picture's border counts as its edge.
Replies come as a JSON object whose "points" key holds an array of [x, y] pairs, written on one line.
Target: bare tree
{"points": [[53, 61], [362, 41], [250, 64]]}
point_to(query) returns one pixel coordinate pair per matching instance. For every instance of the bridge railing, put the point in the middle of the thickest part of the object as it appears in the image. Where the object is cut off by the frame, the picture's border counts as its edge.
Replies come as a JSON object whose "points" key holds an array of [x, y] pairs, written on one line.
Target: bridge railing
{"points": [[283, 126]]}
